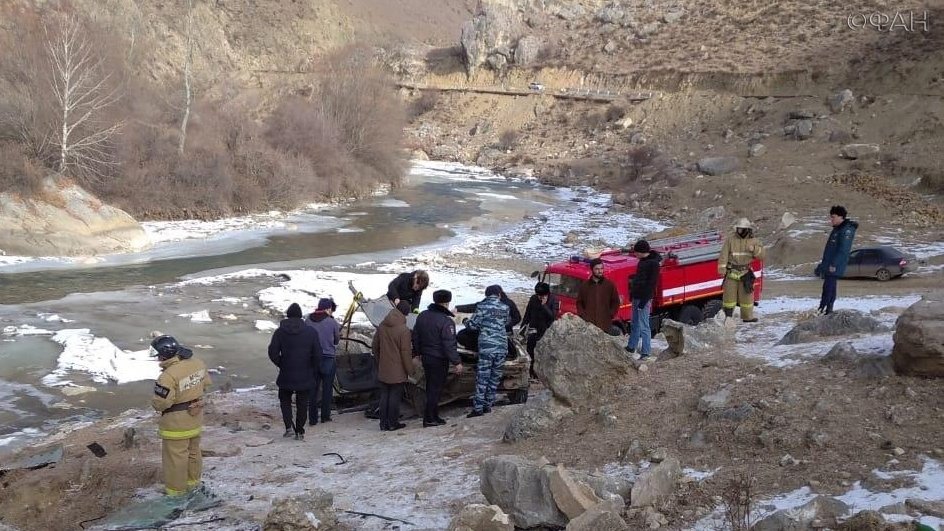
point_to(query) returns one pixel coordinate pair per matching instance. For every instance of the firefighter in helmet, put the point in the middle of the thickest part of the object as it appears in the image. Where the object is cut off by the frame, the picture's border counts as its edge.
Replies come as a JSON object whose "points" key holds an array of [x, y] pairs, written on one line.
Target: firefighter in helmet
{"points": [[739, 250], [178, 397]]}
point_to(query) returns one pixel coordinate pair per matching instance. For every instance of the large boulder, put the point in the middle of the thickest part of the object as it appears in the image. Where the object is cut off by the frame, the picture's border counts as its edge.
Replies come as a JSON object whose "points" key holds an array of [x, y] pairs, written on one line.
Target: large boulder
{"points": [[859, 151], [840, 100], [838, 323], [311, 512], [598, 518], [522, 489], [572, 496], [919, 339], [707, 336], [535, 494], [656, 483], [492, 33], [68, 221], [718, 165], [527, 50], [580, 363], [540, 413], [822, 508], [478, 517]]}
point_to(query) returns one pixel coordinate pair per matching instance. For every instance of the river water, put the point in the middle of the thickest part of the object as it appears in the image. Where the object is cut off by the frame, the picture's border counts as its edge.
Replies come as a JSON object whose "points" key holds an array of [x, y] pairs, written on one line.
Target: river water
{"points": [[467, 230]]}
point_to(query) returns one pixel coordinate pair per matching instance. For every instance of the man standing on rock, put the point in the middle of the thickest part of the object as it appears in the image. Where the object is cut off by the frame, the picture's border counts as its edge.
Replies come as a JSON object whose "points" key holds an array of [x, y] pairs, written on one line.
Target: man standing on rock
{"points": [[408, 287], [641, 293], [393, 349], [296, 350], [178, 397], [434, 339], [539, 315], [329, 335], [740, 248], [835, 256], [491, 318], [597, 300]]}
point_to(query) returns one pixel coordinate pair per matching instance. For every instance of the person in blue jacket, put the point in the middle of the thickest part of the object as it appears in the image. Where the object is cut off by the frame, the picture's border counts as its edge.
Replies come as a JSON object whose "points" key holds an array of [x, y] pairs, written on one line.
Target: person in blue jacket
{"points": [[491, 319], [835, 256]]}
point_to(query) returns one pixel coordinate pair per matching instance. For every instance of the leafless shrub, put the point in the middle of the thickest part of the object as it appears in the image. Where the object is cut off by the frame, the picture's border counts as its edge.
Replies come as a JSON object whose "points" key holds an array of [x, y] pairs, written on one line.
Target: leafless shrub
{"points": [[18, 174], [508, 139], [738, 498], [425, 103], [614, 113], [640, 160]]}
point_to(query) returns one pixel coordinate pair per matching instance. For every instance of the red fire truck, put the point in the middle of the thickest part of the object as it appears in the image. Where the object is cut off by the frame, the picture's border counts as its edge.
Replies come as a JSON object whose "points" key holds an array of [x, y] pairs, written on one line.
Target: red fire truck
{"points": [[689, 287]]}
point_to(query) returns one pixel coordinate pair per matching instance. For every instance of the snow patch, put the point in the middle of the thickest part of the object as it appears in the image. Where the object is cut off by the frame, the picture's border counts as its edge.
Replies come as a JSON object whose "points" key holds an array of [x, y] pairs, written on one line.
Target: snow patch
{"points": [[25, 330], [392, 203], [99, 357], [202, 316], [263, 325]]}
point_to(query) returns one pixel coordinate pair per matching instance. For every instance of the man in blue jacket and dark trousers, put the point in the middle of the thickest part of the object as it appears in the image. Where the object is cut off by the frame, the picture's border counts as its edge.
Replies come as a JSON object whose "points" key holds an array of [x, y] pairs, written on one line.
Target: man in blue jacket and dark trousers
{"points": [[835, 256]]}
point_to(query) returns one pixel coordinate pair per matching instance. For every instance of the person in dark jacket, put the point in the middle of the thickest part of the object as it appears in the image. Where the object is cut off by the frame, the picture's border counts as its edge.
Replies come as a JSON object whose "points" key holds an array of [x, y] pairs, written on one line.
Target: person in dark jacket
{"points": [[539, 315], [329, 333], [835, 256], [469, 338], [641, 293], [296, 350], [597, 299], [408, 287], [393, 350], [434, 339]]}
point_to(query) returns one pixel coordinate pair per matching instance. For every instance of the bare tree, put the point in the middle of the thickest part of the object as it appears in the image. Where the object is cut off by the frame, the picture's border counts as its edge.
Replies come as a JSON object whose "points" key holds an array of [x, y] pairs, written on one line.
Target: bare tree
{"points": [[188, 95], [82, 90]]}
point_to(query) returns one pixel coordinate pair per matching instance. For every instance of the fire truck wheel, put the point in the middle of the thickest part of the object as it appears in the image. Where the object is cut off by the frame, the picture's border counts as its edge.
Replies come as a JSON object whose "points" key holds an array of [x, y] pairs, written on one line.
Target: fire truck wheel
{"points": [[711, 308], [690, 315]]}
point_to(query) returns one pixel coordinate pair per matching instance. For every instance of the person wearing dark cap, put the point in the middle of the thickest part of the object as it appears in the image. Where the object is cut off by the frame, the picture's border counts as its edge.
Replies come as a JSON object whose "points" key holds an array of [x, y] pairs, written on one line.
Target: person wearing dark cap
{"points": [[329, 334], [597, 299], [434, 340], [539, 315], [296, 351], [835, 255], [393, 350], [408, 287], [469, 338], [641, 293], [490, 318]]}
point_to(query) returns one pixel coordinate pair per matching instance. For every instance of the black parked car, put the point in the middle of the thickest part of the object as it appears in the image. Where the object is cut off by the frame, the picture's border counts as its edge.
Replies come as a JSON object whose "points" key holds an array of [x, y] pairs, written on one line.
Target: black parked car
{"points": [[882, 263]]}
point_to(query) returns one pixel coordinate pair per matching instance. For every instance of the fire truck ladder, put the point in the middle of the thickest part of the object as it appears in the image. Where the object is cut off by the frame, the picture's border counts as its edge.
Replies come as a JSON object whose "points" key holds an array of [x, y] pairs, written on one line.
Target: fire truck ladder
{"points": [[691, 248]]}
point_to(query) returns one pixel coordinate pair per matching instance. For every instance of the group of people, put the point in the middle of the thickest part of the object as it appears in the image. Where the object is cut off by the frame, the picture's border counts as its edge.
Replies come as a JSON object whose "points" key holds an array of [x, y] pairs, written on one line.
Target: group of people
{"points": [[304, 348]]}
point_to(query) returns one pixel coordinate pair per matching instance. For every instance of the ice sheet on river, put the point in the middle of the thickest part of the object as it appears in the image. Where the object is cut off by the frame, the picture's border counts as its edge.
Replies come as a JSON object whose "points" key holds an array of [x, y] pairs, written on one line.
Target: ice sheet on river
{"points": [[99, 357]]}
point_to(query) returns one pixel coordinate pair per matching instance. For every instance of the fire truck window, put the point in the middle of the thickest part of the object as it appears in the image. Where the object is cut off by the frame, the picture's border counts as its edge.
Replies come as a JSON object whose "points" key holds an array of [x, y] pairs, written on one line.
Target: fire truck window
{"points": [[564, 286]]}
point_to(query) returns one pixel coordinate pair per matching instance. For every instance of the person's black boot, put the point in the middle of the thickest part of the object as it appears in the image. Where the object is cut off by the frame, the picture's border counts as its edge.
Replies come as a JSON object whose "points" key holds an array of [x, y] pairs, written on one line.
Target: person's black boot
{"points": [[474, 414], [728, 312]]}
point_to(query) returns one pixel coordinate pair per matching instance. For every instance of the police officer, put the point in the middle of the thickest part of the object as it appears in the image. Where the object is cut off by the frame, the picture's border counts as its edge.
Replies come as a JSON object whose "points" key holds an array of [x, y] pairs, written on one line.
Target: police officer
{"points": [[734, 262], [491, 319], [178, 396]]}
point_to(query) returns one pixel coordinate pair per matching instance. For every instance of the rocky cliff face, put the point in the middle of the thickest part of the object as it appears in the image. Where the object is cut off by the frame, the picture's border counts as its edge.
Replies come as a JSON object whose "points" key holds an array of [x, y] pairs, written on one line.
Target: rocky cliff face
{"points": [[66, 221]]}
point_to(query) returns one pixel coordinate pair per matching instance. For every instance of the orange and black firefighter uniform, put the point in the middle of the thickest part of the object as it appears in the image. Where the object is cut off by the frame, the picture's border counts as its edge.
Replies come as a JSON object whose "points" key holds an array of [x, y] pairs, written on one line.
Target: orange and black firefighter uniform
{"points": [[740, 248], [178, 397]]}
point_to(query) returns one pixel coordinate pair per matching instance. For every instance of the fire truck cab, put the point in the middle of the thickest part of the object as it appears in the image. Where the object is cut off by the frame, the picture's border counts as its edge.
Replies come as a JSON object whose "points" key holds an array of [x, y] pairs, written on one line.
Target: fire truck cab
{"points": [[688, 289]]}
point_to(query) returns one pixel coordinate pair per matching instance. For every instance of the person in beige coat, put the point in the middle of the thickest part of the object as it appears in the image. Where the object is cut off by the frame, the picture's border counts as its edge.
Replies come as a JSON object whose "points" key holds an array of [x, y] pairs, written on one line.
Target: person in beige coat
{"points": [[740, 248], [393, 350]]}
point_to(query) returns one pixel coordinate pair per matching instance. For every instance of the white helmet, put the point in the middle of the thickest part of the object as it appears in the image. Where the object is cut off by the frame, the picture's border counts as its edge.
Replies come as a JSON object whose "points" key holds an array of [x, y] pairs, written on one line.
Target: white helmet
{"points": [[743, 223]]}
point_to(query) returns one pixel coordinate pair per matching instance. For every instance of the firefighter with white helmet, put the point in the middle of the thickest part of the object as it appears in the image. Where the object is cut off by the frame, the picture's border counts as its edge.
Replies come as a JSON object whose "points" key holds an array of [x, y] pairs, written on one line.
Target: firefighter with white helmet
{"points": [[740, 248], [178, 397]]}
